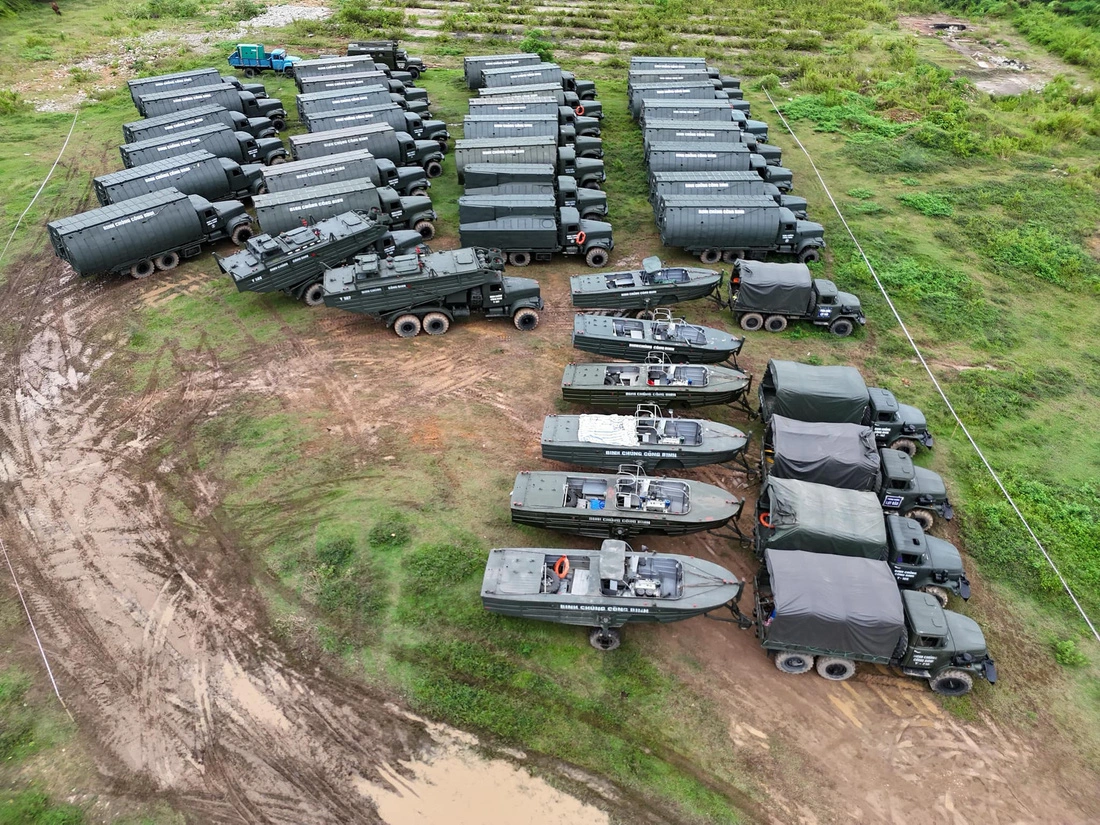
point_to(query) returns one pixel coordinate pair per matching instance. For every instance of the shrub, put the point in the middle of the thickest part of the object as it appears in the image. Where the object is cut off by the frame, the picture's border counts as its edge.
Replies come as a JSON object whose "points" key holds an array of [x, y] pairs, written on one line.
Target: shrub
{"points": [[390, 532], [12, 102], [242, 10], [155, 9], [356, 16], [535, 42], [861, 194], [334, 551], [934, 206], [1067, 654]]}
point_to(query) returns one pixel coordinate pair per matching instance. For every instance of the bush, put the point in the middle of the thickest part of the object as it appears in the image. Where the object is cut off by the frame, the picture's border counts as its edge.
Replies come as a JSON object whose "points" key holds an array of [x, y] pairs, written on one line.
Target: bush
{"points": [[12, 102], [242, 10], [861, 194], [934, 206], [336, 550], [535, 42], [156, 9], [1067, 654], [390, 532], [357, 17]]}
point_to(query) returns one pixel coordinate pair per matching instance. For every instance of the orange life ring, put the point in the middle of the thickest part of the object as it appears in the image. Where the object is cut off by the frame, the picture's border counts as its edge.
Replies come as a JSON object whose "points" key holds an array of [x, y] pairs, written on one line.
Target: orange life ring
{"points": [[580, 109], [581, 237], [765, 519], [561, 568]]}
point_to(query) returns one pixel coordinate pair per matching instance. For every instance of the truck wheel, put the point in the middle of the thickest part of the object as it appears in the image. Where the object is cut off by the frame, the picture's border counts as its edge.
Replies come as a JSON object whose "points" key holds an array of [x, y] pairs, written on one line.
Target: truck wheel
{"points": [[426, 229], [775, 323], [809, 255], [841, 327], [241, 234], [731, 255], [835, 668], [710, 256], [249, 73], [314, 296], [407, 326], [418, 192], [752, 321], [275, 161], [793, 662], [592, 184], [519, 258], [952, 682], [592, 215], [906, 446], [436, 323], [434, 169], [442, 144], [142, 269], [414, 72], [278, 124], [169, 260], [922, 517], [938, 592], [605, 640], [525, 319], [597, 256]]}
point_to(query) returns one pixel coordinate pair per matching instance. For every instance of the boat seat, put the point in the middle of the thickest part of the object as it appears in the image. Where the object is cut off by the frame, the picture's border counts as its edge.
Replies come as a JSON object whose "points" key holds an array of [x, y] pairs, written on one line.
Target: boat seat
{"points": [[594, 487]]}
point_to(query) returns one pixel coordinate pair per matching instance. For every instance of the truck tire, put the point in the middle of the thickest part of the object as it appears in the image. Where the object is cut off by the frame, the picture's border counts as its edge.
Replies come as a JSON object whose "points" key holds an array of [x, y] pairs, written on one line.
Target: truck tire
{"points": [[407, 326], [751, 321], [922, 517], [426, 229], [605, 640], [835, 668], [249, 72], [142, 269], [906, 446], [278, 159], [434, 169], [442, 144], [809, 255], [519, 258], [793, 662], [418, 192], [415, 72], [710, 256], [596, 256], [592, 184], [775, 323], [952, 682], [938, 592], [841, 327], [314, 296], [525, 319], [241, 234], [436, 323], [592, 215], [731, 255], [167, 261]]}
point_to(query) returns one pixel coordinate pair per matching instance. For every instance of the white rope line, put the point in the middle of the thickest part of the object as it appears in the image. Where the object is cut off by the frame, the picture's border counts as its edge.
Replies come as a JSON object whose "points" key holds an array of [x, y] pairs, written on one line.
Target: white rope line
{"points": [[936, 383], [41, 649], [40, 188]]}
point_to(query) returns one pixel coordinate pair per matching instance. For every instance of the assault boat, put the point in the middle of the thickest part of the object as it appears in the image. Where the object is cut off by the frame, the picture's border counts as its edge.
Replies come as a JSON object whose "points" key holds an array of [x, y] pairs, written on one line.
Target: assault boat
{"points": [[620, 505], [652, 285], [633, 339], [658, 380], [603, 589], [648, 438]]}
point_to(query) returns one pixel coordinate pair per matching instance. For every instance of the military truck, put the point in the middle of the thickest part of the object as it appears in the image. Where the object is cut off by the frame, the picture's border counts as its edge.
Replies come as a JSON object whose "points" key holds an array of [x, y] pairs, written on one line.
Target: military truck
{"points": [[720, 184], [253, 59], [196, 173], [329, 66], [519, 105], [475, 208], [513, 76], [703, 111], [730, 85], [846, 456], [356, 97], [733, 227], [281, 211], [428, 292], [192, 79], [147, 233], [589, 108], [294, 262], [406, 180], [839, 395], [708, 134], [347, 82], [390, 54], [537, 238], [588, 172], [164, 103], [219, 140], [862, 617], [187, 119], [714, 157], [380, 139], [474, 66], [389, 113], [693, 90], [477, 127], [564, 192], [766, 296]]}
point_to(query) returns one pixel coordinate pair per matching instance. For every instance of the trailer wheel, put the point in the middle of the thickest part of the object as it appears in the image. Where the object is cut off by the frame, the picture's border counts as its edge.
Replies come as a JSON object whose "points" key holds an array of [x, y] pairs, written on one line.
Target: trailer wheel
{"points": [[425, 228], [794, 662], [519, 258], [731, 255], [775, 323], [938, 592], [906, 446], [436, 323], [142, 269], [952, 682], [835, 669], [710, 256], [597, 256], [434, 169], [314, 296], [605, 640], [841, 327], [525, 319], [922, 517], [752, 321], [809, 255], [407, 326], [169, 260], [241, 234]]}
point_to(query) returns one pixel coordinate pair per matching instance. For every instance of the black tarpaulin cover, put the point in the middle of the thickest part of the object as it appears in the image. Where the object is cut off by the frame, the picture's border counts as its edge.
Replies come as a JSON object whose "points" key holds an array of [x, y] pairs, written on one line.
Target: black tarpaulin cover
{"points": [[839, 455]]}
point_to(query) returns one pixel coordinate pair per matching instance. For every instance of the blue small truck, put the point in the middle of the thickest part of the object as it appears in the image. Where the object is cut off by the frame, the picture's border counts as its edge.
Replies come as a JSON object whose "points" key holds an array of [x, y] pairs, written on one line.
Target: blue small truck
{"points": [[253, 59]]}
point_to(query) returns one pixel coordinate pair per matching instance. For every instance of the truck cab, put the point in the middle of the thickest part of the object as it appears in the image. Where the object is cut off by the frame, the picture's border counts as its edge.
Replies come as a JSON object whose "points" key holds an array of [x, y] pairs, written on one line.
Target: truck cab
{"points": [[589, 202], [222, 219], [585, 89], [946, 648], [588, 126], [898, 426], [260, 127], [408, 180], [589, 172], [413, 211], [428, 155], [265, 150], [589, 238], [829, 303], [809, 240], [910, 490], [781, 176], [245, 180], [268, 107], [923, 562]]}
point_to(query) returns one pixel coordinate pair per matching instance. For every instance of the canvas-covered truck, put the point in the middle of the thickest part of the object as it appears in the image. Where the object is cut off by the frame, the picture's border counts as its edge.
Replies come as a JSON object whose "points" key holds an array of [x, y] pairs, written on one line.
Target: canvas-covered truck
{"points": [[253, 59], [721, 183], [524, 239], [708, 134], [196, 173], [427, 292], [563, 189], [380, 139], [732, 227], [588, 172], [479, 127], [316, 103], [520, 105], [390, 54], [679, 156], [345, 166], [147, 233], [194, 78], [187, 119], [538, 73], [163, 103], [474, 66], [588, 108], [219, 140], [840, 395], [281, 211], [766, 296], [831, 612]]}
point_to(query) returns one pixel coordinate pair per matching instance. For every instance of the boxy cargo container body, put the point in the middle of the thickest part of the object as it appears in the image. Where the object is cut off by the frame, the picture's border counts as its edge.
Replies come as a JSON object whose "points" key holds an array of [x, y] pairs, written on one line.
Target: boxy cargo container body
{"points": [[475, 66], [476, 208], [218, 140], [280, 211], [141, 86], [693, 157], [747, 222], [541, 150], [307, 69], [324, 170], [195, 173]]}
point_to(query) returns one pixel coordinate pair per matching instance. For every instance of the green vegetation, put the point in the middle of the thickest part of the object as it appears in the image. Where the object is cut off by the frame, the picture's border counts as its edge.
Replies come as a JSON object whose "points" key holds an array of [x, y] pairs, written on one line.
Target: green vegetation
{"points": [[934, 206], [35, 808]]}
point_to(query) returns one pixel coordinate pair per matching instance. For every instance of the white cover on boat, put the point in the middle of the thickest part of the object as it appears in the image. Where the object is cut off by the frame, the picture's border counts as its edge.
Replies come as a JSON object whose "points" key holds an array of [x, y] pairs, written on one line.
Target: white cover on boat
{"points": [[616, 430]]}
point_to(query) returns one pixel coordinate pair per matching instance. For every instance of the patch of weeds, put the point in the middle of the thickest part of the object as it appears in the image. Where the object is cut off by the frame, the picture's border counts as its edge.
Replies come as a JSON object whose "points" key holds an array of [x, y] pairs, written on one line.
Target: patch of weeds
{"points": [[11, 102], [391, 532], [156, 9], [861, 194], [335, 548], [933, 206], [431, 569], [36, 54], [79, 75], [990, 396], [910, 182], [535, 42], [31, 807], [867, 208], [947, 299], [1067, 654], [16, 720], [1032, 249], [356, 17], [842, 112], [242, 10]]}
